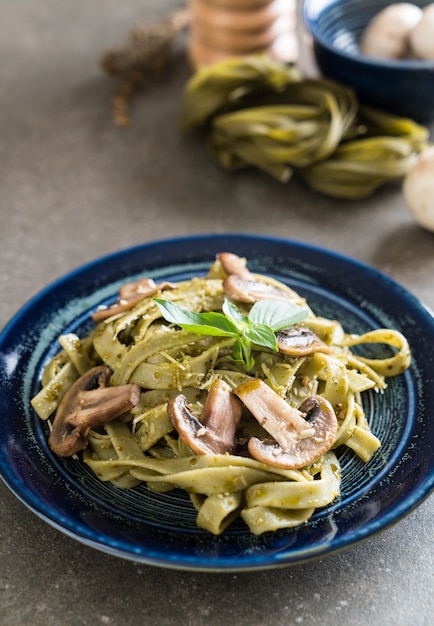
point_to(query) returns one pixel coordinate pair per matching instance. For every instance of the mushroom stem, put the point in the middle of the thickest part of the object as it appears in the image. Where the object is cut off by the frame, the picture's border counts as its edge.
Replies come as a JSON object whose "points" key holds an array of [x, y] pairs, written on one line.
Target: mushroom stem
{"points": [[89, 403]]}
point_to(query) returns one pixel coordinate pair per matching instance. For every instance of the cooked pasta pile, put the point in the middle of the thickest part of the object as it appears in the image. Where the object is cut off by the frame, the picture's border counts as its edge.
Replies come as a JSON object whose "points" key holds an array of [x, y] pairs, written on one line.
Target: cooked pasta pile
{"points": [[143, 399]]}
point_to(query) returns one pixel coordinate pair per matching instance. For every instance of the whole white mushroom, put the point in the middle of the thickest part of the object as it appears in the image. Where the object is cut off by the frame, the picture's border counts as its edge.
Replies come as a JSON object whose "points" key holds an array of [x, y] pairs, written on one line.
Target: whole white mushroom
{"points": [[387, 34], [418, 189], [422, 35]]}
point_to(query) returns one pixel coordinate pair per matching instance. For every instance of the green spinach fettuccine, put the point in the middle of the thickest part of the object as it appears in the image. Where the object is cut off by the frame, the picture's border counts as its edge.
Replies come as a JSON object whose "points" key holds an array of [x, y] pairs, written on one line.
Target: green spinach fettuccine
{"points": [[262, 113]]}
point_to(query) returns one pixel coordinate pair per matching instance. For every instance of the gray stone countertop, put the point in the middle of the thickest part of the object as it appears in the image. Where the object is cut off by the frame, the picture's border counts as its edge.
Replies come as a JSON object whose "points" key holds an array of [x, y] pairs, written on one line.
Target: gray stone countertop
{"points": [[75, 187]]}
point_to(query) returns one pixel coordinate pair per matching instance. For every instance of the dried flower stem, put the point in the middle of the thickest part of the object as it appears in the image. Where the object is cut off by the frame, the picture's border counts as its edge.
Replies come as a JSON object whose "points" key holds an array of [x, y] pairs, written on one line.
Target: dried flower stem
{"points": [[148, 52]]}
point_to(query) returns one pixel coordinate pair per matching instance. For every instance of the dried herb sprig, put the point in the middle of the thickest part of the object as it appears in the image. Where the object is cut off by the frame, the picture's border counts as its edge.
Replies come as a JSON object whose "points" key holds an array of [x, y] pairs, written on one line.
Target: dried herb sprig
{"points": [[149, 51]]}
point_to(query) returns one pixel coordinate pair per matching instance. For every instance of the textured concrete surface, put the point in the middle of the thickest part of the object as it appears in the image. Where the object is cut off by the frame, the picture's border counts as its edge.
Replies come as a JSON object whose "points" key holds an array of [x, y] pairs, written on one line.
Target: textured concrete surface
{"points": [[75, 187]]}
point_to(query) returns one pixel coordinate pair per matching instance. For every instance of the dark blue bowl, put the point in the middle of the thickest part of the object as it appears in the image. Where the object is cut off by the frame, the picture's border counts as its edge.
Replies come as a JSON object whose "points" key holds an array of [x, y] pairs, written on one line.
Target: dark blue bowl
{"points": [[404, 87]]}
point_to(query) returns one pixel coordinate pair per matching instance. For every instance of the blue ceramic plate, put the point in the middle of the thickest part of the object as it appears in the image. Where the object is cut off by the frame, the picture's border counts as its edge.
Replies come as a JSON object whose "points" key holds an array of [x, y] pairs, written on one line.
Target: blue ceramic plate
{"points": [[159, 529]]}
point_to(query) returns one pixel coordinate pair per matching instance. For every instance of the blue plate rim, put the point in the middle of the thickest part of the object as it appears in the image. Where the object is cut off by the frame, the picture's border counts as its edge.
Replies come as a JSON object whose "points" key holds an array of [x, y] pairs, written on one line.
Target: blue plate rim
{"points": [[286, 557]]}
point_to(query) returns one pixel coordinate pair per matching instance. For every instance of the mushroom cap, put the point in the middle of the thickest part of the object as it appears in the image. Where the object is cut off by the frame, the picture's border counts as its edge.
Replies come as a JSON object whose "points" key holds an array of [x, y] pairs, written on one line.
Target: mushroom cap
{"points": [[300, 341], [215, 432], [234, 265], [304, 449], [250, 290], [131, 294], [87, 404], [300, 436], [243, 286]]}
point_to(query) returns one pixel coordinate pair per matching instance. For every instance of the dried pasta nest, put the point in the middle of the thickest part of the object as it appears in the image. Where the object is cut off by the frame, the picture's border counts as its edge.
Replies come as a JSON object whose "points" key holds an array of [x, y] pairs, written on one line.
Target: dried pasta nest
{"points": [[262, 113]]}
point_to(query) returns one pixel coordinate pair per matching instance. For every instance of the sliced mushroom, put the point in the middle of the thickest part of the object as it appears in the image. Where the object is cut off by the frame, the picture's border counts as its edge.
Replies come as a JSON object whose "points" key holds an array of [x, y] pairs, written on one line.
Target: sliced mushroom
{"points": [[243, 286], [89, 403], [131, 294], [300, 436], [300, 341], [234, 265], [215, 432], [243, 290]]}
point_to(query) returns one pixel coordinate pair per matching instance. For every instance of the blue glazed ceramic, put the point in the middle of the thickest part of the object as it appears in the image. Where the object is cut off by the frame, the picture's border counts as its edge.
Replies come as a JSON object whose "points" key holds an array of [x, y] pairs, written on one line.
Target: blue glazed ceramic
{"points": [[159, 529], [404, 87]]}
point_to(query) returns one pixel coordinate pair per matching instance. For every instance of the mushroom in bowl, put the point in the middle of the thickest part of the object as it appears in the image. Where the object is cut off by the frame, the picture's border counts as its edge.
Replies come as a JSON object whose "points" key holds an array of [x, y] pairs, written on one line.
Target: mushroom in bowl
{"points": [[404, 86]]}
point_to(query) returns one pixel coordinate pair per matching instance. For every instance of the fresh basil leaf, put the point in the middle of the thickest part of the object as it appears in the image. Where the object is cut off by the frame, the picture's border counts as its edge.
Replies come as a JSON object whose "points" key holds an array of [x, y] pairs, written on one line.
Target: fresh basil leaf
{"points": [[203, 329], [261, 335], [176, 314], [214, 324], [258, 328], [220, 321], [233, 312], [238, 352], [277, 314], [242, 352]]}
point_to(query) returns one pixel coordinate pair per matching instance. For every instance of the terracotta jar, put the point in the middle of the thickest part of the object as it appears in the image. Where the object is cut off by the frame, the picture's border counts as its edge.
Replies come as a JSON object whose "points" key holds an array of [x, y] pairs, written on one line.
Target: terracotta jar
{"points": [[220, 29]]}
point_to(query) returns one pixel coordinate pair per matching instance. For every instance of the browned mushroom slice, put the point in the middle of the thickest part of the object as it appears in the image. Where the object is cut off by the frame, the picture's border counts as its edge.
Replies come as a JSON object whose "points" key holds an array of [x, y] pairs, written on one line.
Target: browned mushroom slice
{"points": [[250, 291], [215, 432], [301, 436], [131, 294], [234, 265], [89, 403], [300, 341]]}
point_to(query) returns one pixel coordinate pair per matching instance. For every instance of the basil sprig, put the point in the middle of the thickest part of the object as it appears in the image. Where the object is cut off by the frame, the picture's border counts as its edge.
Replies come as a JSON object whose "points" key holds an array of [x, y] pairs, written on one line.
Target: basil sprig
{"points": [[258, 328]]}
